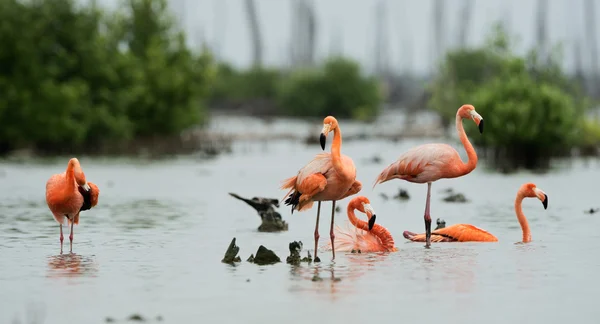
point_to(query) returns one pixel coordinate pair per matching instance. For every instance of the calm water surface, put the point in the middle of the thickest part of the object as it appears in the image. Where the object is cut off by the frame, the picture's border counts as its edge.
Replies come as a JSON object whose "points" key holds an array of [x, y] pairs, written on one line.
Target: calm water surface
{"points": [[154, 243]]}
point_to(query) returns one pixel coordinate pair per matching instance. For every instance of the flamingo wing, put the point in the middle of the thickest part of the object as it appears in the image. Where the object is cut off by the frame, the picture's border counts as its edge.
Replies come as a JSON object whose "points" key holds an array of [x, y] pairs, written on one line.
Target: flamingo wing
{"points": [[351, 238], [455, 233], [420, 164]]}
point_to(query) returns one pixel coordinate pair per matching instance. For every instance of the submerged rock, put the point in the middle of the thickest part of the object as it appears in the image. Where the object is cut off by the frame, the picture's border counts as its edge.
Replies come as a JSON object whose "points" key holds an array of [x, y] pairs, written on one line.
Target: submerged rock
{"points": [[402, 195], [231, 253], [136, 317], [294, 258], [265, 256], [458, 198], [592, 210], [440, 224], [271, 219]]}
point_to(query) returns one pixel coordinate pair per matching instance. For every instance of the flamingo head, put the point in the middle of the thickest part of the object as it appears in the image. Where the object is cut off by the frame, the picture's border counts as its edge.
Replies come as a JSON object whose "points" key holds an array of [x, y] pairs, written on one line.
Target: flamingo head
{"points": [[468, 111], [78, 172], [532, 191], [363, 205], [329, 124]]}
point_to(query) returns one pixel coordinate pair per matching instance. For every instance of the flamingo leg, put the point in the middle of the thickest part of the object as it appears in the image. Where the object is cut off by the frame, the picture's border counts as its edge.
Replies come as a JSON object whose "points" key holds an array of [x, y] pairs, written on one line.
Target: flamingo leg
{"points": [[317, 232], [331, 229], [428, 217], [62, 238], [71, 237]]}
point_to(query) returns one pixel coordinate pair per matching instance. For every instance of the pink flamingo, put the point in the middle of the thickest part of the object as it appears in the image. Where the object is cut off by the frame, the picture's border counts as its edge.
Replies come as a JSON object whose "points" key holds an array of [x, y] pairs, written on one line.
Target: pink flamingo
{"points": [[470, 233], [366, 237], [430, 162], [67, 194], [328, 177]]}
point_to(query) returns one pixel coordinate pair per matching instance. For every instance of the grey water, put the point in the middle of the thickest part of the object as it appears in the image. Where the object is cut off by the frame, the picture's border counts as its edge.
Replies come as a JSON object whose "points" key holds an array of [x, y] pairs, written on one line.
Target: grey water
{"points": [[153, 245]]}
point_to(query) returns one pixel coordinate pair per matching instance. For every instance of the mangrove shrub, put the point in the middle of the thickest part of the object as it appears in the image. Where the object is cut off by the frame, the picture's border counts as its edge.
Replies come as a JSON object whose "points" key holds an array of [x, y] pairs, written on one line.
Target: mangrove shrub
{"points": [[532, 110], [337, 88], [75, 76]]}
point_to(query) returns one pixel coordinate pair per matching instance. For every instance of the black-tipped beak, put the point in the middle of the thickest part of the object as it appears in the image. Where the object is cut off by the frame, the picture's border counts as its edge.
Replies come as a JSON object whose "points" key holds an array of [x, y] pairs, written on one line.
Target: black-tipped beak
{"points": [[322, 139], [545, 202], [371, 222], [481, 126]]}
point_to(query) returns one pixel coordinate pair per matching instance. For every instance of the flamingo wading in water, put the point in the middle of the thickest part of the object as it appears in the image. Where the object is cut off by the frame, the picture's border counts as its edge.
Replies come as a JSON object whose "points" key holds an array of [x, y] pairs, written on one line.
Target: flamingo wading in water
{"points": [[68, 194], [470, 233], [430, 162], [328, 177], [366, 236]]}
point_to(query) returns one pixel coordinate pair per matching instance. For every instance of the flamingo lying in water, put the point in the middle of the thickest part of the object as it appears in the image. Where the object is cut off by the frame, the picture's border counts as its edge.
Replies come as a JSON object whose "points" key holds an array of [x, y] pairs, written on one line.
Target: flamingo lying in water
{"points": [[328, 177], [366, 237], [470, 233], [68, 194], [430, 162]]}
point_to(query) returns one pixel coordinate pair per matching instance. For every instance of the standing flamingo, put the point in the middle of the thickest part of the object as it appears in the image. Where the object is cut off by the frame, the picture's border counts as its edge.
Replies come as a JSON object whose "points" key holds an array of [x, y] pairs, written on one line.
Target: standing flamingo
{"points": [[470, 233], [430, 162], [67, 194], [328, 177], [366, 237]]}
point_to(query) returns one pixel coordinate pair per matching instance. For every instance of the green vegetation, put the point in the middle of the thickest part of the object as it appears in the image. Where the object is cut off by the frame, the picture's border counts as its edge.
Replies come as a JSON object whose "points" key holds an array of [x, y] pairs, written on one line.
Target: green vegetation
{"points": [[336, 88], [73, 77], [532, 110]]}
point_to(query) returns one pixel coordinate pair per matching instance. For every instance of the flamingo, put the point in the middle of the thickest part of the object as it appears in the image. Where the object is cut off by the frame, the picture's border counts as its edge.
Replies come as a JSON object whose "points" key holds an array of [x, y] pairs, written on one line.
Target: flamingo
{"points": [[430, 162], [470, 233], [366, 237], [68, 194], [328, 177]]}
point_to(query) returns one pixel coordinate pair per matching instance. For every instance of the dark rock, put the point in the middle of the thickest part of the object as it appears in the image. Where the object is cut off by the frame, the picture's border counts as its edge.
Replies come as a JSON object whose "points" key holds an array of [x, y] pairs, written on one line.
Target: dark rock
{"points": [[592, 210], [294, 257], [137, 318], [384, 196], [250, 258], [402, 195], [231, 253], [265, 256], [338, 209], [109, 320], [271, 219], [440, 223], [458, 198]]}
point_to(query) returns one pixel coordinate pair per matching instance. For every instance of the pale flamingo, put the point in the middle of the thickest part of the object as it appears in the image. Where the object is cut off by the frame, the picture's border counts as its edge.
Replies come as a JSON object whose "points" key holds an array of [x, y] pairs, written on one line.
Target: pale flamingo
{"points": [[366, 236], [430, 162], [328, 177], [67, 194], [470, 233]]}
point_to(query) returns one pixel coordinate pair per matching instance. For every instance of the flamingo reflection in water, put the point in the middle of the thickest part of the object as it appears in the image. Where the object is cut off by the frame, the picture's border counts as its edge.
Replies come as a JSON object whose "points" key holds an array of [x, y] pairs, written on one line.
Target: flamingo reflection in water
{"points": [[71, 265]]}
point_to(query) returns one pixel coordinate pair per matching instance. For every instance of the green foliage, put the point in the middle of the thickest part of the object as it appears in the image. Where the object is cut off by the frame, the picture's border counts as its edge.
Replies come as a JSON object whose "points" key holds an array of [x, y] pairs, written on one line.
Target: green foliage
{"points": [[531, 109], [337, 89], [235, 85], [74, 76]]}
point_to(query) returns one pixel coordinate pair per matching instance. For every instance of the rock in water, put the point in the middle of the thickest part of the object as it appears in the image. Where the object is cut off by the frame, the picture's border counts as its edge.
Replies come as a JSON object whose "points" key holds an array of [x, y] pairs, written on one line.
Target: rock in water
{"points": [[271, 219], [231, 253], [458, 198], [440, 224], [265, 256]]}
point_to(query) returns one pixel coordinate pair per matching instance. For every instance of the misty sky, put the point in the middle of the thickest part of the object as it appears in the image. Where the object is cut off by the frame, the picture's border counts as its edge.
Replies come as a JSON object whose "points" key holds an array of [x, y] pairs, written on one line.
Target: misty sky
{"points": [[224, 26]]}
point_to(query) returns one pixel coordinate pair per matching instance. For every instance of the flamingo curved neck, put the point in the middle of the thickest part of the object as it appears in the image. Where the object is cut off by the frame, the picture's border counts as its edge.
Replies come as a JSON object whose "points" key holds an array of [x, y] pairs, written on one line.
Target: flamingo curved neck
{"points": [[471, 155], [358, 223], [336, 155], [522, 219], [70, 178]]}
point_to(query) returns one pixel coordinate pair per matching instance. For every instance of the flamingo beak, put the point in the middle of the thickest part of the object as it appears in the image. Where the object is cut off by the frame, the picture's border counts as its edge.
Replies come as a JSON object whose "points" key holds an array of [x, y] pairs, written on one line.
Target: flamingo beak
{"points": [[86, 187], [323, 137], [542, 196], [370, 214], [478, 120]]}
